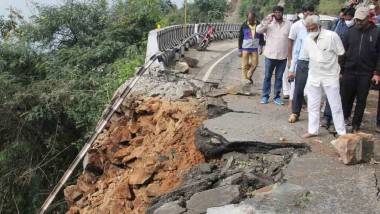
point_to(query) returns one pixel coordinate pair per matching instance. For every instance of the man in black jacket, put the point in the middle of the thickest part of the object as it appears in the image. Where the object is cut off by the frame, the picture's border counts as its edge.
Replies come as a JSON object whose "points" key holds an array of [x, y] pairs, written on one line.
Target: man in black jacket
{"points": [[361, 65]]}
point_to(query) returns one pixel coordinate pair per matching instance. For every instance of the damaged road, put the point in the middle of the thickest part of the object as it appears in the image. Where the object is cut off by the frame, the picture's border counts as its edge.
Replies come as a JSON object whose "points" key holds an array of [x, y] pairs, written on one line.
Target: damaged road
{"points": [[181, 145]]}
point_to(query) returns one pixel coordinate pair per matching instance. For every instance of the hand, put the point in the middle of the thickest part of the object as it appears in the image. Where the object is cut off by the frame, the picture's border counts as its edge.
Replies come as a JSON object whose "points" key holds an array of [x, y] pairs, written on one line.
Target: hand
{"points": [[260, 51], [289, 63], [270, 18], [376, 79], [240, 54], [291, 75]]}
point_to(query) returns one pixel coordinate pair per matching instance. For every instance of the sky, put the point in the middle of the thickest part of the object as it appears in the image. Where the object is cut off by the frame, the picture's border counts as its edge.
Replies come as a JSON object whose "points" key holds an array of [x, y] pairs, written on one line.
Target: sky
{"points": [[27, 9]]}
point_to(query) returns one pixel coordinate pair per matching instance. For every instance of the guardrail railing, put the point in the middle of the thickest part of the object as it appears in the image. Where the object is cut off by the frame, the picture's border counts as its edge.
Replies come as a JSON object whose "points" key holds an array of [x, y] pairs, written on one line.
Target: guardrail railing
{"points": [[171, 40]]}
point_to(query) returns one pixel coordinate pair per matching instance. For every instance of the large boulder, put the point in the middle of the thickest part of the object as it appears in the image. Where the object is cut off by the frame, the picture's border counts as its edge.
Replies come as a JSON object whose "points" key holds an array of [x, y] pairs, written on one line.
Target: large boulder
{"points": [[355, 148]]}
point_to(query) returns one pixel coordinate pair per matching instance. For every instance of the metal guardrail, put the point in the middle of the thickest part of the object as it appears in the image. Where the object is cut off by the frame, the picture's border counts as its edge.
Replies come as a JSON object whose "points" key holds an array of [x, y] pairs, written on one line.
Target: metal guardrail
{"points": [[166, 44], [171, 40]]}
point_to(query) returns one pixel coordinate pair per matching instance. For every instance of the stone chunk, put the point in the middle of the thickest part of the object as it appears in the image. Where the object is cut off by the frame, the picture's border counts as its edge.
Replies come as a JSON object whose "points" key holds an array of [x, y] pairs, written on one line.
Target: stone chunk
{"points": [[72, 193], [220, 196], [355, 148], [232, 209], [233, 179], [170, 208], [205, 168], [140, 176], [182, 67]]}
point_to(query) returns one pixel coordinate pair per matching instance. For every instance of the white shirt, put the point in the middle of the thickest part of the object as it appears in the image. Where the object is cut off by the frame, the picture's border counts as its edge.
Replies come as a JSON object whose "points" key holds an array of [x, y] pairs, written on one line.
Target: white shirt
{"points": [[323, 54], [276, 46], [298, 33]]}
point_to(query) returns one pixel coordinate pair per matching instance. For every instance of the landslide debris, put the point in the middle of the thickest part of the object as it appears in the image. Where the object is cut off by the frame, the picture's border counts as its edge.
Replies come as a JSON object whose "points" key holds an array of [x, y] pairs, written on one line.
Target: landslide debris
{"points": [[144, 153]]}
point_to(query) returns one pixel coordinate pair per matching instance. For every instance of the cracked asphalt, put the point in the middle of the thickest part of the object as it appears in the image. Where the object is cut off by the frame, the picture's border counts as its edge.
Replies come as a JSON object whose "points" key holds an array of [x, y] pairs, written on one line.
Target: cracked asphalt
{"points": [[334, 187]]}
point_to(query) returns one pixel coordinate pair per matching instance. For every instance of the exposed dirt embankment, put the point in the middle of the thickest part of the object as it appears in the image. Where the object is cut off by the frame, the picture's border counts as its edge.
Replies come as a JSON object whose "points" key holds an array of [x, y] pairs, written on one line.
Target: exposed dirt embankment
{"points": [[144, 153]]}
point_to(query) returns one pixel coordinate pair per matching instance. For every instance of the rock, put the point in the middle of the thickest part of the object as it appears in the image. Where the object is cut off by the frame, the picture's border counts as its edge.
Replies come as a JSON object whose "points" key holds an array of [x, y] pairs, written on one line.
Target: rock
{"points": [[185, 91], [93, 162], [137, 140], [170, 208], [86, 183], [122, 152], [205, 168], [220, 196], [123, 191], [233, 179], [232, 209], [191, 61], [182, 67], [72, 193], [140, 176], [280, 197], [355, 148]]}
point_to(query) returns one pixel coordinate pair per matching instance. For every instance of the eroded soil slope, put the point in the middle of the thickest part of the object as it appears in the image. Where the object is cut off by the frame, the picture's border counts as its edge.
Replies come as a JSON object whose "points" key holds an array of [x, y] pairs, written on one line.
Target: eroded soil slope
{"points": [[145, 151]]}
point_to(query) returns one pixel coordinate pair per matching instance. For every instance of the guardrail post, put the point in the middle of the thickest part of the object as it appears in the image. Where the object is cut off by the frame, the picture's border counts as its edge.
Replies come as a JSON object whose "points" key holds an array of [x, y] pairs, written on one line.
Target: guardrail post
{"points": [[152, 46]]}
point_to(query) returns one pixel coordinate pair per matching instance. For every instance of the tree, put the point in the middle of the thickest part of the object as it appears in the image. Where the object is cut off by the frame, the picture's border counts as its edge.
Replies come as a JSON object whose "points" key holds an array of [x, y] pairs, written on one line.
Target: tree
{"points": [[56, 75]]}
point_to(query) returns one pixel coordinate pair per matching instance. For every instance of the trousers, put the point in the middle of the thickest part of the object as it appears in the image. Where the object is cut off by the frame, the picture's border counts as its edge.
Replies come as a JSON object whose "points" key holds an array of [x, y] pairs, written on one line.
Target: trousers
{"points": [[299, 86], [314, 94], [270, 66], [250, 61], [355, 87]]}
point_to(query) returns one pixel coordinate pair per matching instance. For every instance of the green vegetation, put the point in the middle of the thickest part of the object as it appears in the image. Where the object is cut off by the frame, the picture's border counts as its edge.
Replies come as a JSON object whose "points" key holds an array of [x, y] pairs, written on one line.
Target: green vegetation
{"points": [[264, 7], [57, 72], [330, 7]]}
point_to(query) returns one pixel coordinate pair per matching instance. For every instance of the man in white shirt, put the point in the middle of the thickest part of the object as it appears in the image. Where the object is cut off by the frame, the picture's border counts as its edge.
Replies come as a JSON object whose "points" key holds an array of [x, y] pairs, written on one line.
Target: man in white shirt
{"points": [[298, 66], [322, 47], [277, 30]]}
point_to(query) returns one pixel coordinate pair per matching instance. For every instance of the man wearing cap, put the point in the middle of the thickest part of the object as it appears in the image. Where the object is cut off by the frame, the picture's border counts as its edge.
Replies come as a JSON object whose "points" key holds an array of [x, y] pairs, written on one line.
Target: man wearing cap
{"points": [[342, 30], [322, 47], [361, 65], [277, 30]]}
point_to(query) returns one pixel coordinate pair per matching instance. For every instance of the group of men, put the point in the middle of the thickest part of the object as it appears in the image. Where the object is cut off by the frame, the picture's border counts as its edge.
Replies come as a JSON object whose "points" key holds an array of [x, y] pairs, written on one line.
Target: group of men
{"points": [[342, 63]]}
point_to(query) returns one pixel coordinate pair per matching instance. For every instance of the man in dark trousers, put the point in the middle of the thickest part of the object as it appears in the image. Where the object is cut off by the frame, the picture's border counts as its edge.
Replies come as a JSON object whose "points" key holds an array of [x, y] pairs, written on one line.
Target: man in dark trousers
{"points": [[341, 29], [361, 66]]}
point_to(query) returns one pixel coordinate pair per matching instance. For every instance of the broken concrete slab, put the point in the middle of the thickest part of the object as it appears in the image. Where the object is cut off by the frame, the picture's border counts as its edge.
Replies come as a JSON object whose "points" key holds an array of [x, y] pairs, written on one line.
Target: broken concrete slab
{"points": [[233, 179], [204, 143], [278, 200], [334, 187], [235, 127], [232, 209], [170, 208], [220, 196]]}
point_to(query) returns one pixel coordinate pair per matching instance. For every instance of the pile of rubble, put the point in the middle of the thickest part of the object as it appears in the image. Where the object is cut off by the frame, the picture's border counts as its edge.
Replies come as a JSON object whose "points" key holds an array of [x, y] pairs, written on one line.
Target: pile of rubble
{"points": [[144, 153]]}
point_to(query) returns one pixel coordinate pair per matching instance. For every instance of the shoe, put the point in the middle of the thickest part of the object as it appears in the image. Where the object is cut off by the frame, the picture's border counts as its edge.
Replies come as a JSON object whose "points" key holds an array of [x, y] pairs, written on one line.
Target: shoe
{"points": [[293, 118], [264, 100], [278, 101], [286, 97]]}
